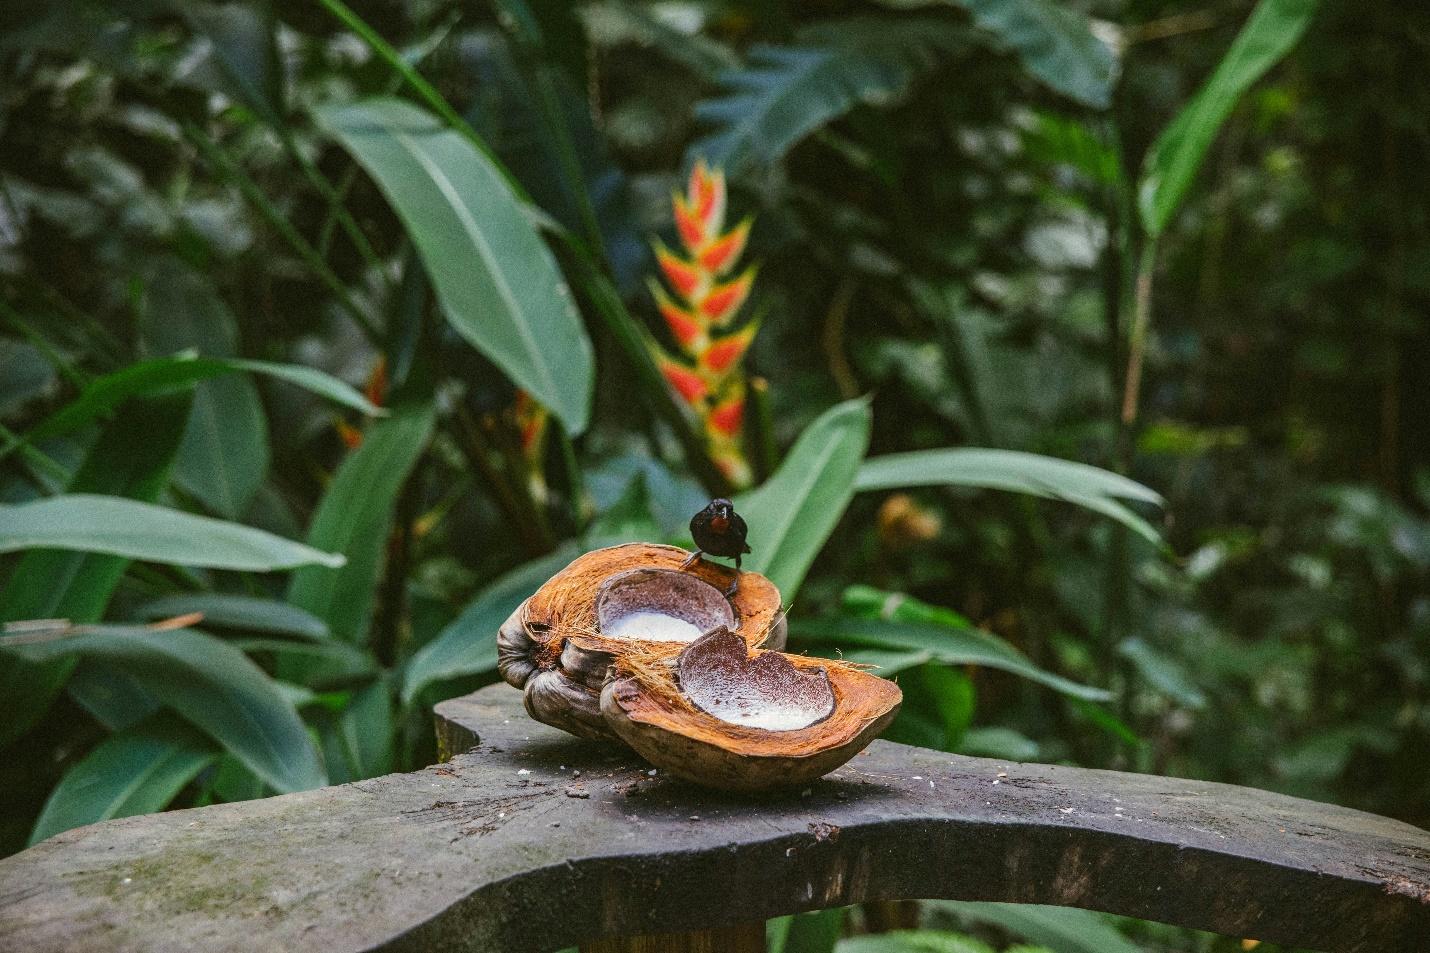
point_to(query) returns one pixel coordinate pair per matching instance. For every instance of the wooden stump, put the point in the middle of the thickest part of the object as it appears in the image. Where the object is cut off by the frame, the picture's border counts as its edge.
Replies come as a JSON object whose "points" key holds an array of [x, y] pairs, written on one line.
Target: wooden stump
{"points": [[745, 938]]}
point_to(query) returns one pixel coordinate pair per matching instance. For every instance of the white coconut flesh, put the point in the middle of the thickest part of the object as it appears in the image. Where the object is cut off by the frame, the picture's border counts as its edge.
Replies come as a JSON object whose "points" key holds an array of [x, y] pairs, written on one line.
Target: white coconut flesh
{"points": [[660, 605], [767, 691]]}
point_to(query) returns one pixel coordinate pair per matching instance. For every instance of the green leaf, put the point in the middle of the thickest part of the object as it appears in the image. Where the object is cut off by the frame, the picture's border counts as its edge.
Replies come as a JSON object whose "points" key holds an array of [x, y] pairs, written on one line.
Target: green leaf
{"points": [[913, 941], [1055, 44], [469, 645], [248, 613], [815, 932], [496, 280], [242, 53], [786, 92], [1048, 477], [211, 684], [137, 771], [225, 453], [945, 644], [130, 459], [358, 741], [354, 519], [1163, 672], [792, 514], [165, 375], [1061, 929], [86, 522], [1171, 164]]}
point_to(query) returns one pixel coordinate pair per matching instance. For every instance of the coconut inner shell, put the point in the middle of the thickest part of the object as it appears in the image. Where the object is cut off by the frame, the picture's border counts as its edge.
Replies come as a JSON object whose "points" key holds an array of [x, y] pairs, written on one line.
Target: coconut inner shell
{"points": [[718, 676], [660, 605]]}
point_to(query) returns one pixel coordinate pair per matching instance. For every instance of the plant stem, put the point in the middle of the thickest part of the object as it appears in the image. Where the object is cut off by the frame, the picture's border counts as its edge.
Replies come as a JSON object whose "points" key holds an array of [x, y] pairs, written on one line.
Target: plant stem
{"points": [[1141, 322], [216, 155], [761, 433]]}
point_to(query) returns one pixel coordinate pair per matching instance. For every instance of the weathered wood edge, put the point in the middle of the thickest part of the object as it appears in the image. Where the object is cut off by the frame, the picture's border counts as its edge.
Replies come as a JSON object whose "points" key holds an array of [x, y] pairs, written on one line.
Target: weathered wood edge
{"points": [[507, 848]]}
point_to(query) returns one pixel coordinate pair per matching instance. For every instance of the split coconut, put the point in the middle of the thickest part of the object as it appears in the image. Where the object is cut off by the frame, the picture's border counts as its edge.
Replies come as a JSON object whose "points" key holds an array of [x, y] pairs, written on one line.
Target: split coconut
{"points": [[627, 643], [559, 645]]}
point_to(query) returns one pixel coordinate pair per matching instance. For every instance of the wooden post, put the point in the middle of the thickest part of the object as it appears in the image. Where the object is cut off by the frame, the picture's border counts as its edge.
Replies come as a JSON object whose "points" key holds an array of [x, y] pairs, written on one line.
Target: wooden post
{"points": [[743, 938]]}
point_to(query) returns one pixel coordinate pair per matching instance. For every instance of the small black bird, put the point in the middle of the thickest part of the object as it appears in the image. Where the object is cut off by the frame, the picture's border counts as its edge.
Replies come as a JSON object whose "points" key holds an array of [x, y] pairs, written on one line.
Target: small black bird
{"points": [[719, 531]]}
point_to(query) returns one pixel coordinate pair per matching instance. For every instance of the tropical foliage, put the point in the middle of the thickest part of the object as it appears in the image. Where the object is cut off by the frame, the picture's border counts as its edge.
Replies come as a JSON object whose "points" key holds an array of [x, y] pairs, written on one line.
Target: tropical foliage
{"points": [[1078, 386]]}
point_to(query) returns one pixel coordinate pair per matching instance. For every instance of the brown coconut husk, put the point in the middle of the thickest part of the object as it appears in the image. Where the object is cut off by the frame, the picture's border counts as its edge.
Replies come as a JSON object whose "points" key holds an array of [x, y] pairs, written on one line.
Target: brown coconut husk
{"points": [[553, 647], [646, 707]]}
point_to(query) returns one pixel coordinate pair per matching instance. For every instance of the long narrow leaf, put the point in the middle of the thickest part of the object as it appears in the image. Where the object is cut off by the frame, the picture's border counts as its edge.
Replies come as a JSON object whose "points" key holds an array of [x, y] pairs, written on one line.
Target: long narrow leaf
{"points": [[354, 519], [209, 683], [1172, 163], [131, 458], [792, 514], [1047, 477], [468, 645], [497, 282], [248, 613], [135, 530], [167, 374], [137, 771], [945, 644]]}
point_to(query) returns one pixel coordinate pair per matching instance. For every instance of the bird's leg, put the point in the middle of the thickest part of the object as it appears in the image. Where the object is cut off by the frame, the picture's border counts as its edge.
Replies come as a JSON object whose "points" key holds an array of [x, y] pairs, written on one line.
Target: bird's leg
{"points": [[734, 586], [692, 559]]}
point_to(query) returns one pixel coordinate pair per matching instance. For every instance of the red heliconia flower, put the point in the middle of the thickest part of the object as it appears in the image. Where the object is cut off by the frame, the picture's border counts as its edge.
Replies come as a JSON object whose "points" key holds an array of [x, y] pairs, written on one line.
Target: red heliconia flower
{"points": [[685, 327], [687, 383], [531, 420], [697, 304], [722, 301], [706, 196], [685, 277], [717, 256], [726, 418], [724, 353]]}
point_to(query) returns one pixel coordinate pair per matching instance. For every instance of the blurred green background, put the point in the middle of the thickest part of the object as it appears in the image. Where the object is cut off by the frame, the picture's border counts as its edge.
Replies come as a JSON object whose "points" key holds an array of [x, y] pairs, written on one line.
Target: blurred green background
{"points": [[1087, 394]]}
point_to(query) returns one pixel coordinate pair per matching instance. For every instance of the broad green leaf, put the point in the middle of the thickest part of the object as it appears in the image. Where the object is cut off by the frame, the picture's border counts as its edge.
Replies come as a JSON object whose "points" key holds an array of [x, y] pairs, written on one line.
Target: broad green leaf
{"points": [[209, 683], [354, 519], [792, 514], [131, 458], [870, 603], [166, 375], [627, 520], [1048, 477], [469, 645], [1171, 164], [225, 453], [1061, 929], [787, 92], [137, 771], [815, 932], [114, 700], [1055, 44], [248, 613], [497, 282], [945, 644], [86, 522], [358, 741]]}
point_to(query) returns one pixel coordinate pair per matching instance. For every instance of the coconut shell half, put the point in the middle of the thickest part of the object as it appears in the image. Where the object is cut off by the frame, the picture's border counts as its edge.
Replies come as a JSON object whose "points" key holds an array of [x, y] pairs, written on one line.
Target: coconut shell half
{"points": [[559, 645], [726, 716]]}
